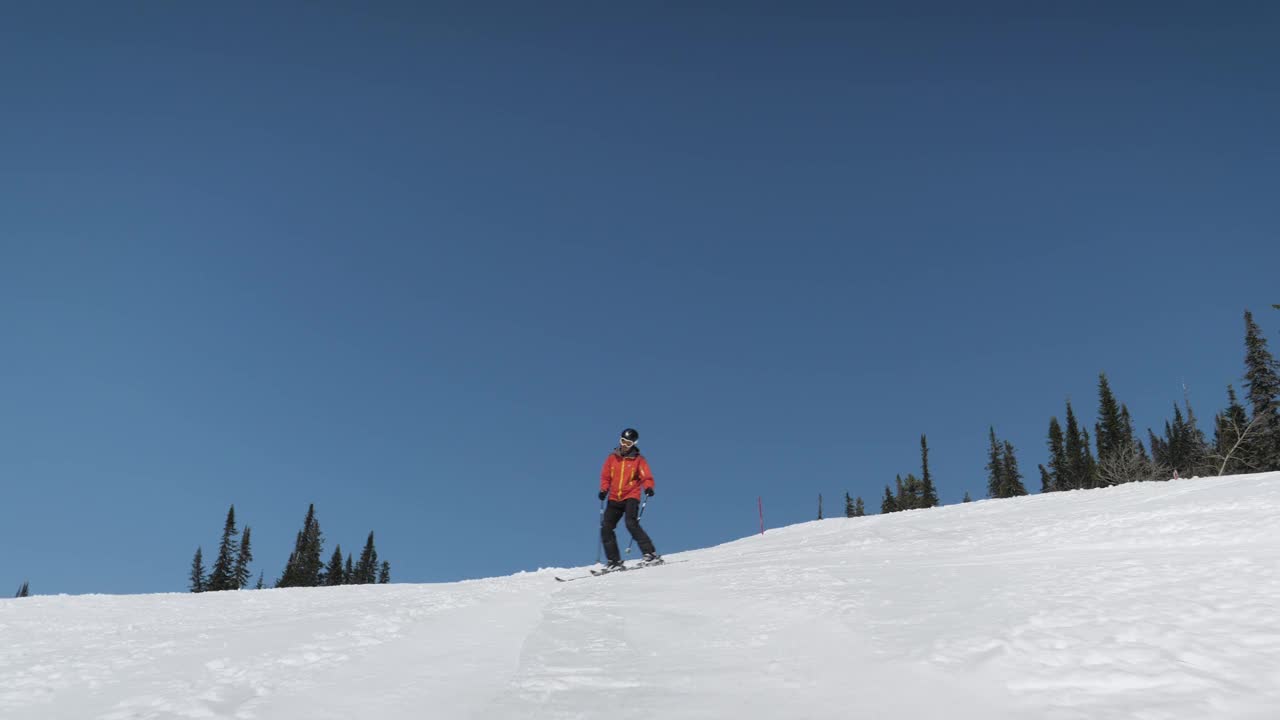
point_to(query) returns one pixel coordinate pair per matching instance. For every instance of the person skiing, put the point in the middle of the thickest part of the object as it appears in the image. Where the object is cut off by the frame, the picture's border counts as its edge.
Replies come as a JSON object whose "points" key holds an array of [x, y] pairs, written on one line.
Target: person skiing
{"points": [[623, 478]]}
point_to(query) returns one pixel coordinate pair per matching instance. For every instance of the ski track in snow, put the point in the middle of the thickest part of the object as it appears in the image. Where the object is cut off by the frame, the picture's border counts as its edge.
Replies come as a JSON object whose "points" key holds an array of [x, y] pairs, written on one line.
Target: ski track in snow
{"points": [[1157, 601]]}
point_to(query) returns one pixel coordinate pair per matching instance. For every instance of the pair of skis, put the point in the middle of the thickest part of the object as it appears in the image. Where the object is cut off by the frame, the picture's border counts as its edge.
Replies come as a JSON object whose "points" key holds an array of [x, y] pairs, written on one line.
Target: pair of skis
{"points": [[634, 566]]}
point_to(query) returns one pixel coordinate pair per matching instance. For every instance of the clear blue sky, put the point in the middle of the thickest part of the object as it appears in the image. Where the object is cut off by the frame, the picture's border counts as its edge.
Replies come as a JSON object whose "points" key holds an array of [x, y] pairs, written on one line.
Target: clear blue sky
{"points": [[420, 264]]}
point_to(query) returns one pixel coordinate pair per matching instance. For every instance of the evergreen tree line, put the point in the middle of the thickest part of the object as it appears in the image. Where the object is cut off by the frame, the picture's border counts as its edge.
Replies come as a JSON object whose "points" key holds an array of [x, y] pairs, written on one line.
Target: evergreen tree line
{"points": [[304, 568], [911, 492], [1004, 479], [1246, 438], [854, 507]]}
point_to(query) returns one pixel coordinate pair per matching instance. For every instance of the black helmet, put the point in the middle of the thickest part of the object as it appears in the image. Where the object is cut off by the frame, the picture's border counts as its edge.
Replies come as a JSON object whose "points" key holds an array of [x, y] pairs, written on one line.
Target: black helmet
{"points": [[630, 434]]}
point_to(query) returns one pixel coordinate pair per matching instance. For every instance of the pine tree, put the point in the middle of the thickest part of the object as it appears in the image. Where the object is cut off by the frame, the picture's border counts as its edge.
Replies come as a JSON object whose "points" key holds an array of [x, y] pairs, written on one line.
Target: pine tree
{"points": [[1166, 450], [289, 578], [859, 508], [966, 497], [1128, 440], [1109, 432], [1011, 483], [1232, 436], [1195, 447], [349, 573], [1262, 382], [222, 577], [1125, 459], [910, 492], [1059, 469], [1076, 449], [334, 575], [995, 467], [384, 574], [199, 583], [1090, 477], [1121, 458], [889, 504], [1046, 480], [928, 494], [848, 505], [260, 584], [819, 506], [311, 564], [1183, 449], [241, 573], [304, 566], [24, 590], [1161, 452], [1003, 477], [367, 566]]}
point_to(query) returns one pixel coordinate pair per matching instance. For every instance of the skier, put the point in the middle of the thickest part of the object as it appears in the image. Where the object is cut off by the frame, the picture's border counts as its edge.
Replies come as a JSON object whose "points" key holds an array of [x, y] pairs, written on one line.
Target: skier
{"points": [[624, 476]]}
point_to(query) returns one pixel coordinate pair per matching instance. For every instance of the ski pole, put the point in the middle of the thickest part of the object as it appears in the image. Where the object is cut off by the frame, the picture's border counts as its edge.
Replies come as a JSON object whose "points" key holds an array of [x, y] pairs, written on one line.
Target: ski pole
{"points": [[638, 516], [599, 535]]}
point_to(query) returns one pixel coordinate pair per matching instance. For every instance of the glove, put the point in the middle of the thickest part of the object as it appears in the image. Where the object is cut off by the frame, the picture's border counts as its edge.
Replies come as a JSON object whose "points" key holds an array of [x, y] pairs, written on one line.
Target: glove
{"points": [[648, 491], [602, 494]]}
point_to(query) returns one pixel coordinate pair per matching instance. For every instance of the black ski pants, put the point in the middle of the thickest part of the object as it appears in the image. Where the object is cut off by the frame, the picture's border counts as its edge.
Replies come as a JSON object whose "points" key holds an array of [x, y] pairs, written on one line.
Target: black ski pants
{"points": [[612, 514]]}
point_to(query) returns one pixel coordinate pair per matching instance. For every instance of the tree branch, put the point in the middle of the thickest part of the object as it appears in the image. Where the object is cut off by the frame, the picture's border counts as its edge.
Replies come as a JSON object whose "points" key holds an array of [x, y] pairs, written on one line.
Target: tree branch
{"points": [[1240, 438]]}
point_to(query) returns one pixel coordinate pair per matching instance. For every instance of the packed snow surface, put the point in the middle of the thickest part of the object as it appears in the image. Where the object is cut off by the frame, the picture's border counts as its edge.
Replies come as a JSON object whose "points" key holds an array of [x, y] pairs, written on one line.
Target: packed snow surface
{"points": [[1149, 601]]}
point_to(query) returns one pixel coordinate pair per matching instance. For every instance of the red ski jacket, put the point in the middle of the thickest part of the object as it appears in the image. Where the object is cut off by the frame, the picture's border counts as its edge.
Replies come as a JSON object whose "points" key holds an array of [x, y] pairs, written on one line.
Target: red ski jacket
{"points": [[625, 475]]}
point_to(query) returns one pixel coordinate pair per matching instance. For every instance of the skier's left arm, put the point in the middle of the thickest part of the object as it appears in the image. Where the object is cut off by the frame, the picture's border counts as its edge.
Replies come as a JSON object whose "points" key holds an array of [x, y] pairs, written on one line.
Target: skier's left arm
{"points": [[646, 476]]}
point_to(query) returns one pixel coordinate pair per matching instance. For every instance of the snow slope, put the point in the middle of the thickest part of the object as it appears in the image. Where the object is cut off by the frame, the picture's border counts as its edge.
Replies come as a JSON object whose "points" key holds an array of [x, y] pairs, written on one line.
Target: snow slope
{"points": [[1150, 601]]}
